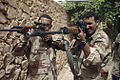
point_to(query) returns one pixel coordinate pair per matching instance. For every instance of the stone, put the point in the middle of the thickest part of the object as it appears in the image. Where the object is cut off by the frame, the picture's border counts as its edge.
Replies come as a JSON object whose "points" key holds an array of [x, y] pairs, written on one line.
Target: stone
{"points": [[24, 7], [1, 64], [11, 13], [9, 69], [8, 58], [2, 18], [13, 3], [2, 73]]}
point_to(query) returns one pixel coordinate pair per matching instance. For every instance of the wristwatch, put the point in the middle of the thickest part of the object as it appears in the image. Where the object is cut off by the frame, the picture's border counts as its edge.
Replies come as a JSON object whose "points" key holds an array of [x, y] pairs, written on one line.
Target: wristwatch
{"points": [[83, 43]]}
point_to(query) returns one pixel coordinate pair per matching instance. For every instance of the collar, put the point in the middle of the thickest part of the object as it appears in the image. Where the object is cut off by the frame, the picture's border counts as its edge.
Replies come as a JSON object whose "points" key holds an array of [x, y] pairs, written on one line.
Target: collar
{"points": [[97, 31]]}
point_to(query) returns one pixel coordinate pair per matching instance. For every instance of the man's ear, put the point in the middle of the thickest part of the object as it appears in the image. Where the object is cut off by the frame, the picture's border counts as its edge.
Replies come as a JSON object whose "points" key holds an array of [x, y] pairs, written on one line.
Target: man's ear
{"points": [[97, 22]]}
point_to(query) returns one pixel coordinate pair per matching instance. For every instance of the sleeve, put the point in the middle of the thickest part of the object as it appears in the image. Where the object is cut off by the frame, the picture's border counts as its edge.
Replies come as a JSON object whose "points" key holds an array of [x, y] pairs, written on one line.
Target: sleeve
{"points": [[20, 46], [97, 52], [58, 42], [116, 49], [115, 46]]}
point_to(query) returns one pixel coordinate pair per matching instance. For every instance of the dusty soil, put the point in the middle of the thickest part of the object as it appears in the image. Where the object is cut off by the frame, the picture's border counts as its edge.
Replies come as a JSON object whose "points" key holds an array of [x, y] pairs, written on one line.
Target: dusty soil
{"points": [[65, 73]]}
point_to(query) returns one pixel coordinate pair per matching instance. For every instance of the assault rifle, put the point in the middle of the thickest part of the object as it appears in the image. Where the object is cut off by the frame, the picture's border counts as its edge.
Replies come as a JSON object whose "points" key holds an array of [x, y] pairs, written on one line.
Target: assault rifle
{"points": [[63, 30], [24, 29], [19, 29], [40, 30]]}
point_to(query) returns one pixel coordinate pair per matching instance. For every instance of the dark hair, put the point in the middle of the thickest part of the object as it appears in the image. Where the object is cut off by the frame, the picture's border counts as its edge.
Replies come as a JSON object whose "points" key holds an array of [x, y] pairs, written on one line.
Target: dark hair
{"points": [[91, 14], [45, 16]]}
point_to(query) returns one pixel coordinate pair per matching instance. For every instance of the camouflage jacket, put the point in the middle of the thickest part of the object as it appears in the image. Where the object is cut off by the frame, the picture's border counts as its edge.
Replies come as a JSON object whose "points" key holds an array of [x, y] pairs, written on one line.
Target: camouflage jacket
{"points": [[41, 56], [99, 47], [116, 58]]}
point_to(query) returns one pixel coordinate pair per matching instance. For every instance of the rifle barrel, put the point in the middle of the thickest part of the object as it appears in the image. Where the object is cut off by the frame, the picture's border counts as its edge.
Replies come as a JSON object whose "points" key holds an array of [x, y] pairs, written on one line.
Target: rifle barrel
{"points": [[41, 33], [24, 27], [9, 30]]}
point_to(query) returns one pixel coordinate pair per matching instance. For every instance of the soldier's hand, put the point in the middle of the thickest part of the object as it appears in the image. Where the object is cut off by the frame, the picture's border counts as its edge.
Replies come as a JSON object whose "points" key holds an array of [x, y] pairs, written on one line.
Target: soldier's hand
{"points": [[24, 31], [82, 35], [31, 30], [117, 41], [48, 38], [26, 37]]}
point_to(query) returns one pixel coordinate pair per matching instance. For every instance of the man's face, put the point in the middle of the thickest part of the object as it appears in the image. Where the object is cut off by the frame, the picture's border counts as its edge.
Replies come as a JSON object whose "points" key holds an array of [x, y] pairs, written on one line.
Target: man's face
{"points": [[47, 22], [91, 25]]}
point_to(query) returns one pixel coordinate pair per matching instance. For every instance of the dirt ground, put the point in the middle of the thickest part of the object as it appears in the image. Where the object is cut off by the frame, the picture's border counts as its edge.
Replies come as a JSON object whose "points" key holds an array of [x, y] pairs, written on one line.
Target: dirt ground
{"points": [[65, 73]]}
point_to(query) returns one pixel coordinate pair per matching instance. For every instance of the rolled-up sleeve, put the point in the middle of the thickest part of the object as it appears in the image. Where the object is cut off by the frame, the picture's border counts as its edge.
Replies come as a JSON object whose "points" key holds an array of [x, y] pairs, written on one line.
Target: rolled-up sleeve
{"points": [[93, 58], [97, 52], [19, 46], [58, 42]]}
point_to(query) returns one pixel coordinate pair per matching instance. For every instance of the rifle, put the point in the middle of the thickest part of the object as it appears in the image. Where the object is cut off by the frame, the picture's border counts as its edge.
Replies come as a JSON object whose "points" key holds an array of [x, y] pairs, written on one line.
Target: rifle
{"points": [[19, 28], [63, 30], [24, 29], [40, 30]]}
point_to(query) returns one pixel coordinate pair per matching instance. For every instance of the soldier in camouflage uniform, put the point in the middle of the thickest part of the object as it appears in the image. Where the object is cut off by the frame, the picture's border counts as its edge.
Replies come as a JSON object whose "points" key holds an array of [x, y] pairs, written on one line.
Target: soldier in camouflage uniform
{"points": [[116, 59], [40, 52], [95, 45]]}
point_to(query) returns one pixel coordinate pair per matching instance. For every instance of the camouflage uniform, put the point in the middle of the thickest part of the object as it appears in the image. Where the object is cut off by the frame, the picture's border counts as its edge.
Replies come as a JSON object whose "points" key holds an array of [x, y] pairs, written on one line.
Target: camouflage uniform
{"points": [[41, 56], [99, 47], [116, 58]]}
